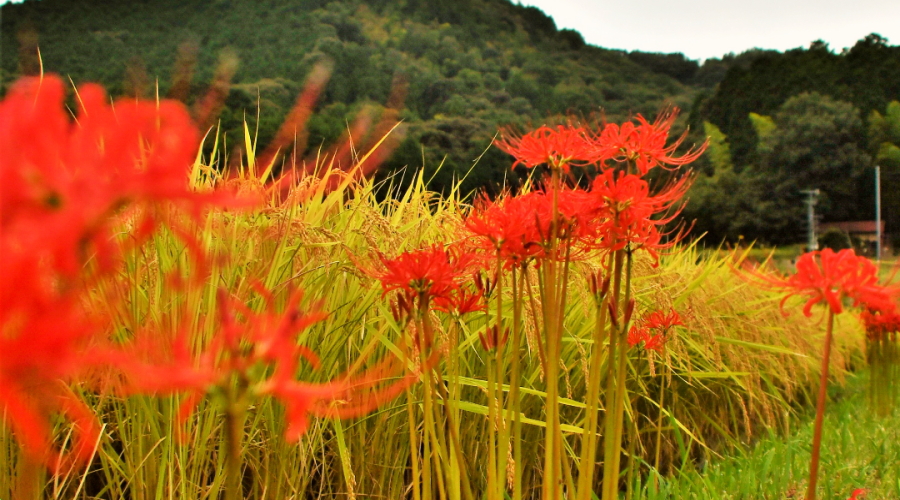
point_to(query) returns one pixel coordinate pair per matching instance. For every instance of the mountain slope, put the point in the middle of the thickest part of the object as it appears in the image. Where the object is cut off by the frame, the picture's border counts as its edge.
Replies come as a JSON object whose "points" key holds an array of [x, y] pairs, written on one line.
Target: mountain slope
{"points": [[468, 66]]}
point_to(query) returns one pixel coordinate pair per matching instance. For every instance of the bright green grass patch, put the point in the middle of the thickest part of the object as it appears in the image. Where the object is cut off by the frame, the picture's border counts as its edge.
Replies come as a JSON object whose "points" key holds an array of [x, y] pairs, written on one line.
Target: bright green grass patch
{"points": [[859, 450]]}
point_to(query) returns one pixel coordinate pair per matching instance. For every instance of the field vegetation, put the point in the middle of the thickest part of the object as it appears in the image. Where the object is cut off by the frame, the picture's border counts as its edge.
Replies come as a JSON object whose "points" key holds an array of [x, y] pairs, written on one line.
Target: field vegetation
{"points": [[261, 336]]}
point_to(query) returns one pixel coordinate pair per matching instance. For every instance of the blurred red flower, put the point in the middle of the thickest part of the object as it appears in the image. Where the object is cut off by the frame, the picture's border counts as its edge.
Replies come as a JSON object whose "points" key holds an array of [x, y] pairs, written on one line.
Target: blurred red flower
{"points": [[663, 321], [62, 184], [463, 300], [830, 277], [858, 494], [880, 323]]}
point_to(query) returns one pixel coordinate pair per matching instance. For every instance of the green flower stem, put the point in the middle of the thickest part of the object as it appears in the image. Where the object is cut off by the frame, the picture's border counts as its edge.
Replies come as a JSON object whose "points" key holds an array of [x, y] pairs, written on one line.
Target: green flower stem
{"points": [[561, 314], [542, 357], [621, 374], [515, 382], [28, 477], [820, 411], [427, 404], [413, 439], [610, 477], [632, 443], [659, 421], [439, 440], [588, 458], [492, 431], [552, 488], [459, 478], [451, 397], [500, 367]]}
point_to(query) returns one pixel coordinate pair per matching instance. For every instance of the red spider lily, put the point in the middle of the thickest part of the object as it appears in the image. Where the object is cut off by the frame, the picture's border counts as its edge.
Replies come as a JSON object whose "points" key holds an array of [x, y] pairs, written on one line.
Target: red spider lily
{"points": [[112, 153], [62, 181], [517, 229], [638, 334], [830, 277], [504, 227], [656, 320], [428, 273], [574, 215], [558, 148], [644, 144], [625, 211], [858, 494], [43, 343], [270, 335], [663, 321], [655, 343], [61, 185], [348, 396], [461, 301], [879, 324]]}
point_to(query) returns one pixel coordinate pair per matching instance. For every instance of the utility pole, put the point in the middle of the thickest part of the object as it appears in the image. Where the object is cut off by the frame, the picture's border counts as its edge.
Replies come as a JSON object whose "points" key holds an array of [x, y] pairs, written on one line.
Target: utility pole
{"points": [[811, 199], [878, 212]]}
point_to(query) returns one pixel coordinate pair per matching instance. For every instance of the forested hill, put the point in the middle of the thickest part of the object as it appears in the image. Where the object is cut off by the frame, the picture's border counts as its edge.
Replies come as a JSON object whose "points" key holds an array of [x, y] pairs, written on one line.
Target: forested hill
{"points": [[468, 65], [784, 123], [455, 70]]}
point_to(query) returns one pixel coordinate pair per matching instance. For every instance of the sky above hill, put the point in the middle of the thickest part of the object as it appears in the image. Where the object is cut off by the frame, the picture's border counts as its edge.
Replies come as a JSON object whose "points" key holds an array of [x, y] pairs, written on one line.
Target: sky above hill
{"points": [[711, 28]]}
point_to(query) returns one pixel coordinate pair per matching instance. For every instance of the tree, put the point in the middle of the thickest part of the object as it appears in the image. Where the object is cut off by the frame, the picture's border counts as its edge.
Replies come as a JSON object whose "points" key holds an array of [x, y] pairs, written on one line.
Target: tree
{"points": [[884, 145], [727, 205], [817, 143]]}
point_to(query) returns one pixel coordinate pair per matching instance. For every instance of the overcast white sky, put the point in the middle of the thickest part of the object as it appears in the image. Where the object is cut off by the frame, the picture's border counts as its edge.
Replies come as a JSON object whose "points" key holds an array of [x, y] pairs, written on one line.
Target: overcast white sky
{"points": [[711, 28]]}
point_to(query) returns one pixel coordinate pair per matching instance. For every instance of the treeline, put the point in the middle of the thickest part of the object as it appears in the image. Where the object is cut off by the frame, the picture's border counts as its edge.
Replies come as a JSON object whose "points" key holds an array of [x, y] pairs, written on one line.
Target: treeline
{"points": [[465, 67], [454, 71], [783, 123]]}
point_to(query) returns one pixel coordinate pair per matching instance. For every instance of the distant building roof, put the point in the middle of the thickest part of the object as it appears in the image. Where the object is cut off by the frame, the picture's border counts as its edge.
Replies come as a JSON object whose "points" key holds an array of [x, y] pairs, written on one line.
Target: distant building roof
{"points": [[853, 227]]}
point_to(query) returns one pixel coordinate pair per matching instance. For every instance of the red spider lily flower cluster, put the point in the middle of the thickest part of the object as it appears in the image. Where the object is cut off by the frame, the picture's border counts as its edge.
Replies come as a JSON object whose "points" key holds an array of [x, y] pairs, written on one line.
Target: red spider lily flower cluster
{"points": [[62, 183], [557, 147], [436, 272], [858, 494], [644, 144], [627, 212], [618, 211], [830, 277], [657, 321], [462, 300], [504, 228], [517, 229], [881, 324]]}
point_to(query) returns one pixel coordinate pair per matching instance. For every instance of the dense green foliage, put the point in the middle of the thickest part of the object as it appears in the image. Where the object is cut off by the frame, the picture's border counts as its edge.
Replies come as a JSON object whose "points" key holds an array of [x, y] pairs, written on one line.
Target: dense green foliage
{"points": [[457, 71], [469, 66], [794, 121]]}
